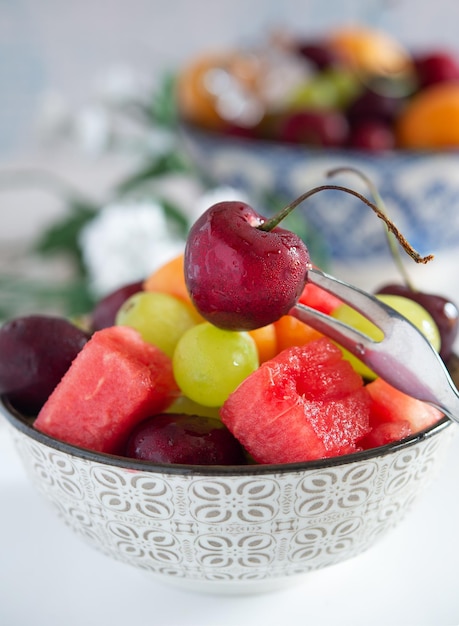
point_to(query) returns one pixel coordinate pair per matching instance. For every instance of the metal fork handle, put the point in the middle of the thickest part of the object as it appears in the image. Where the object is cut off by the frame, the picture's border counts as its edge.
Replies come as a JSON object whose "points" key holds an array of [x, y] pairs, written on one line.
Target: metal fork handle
{"points": [[404, 358]]}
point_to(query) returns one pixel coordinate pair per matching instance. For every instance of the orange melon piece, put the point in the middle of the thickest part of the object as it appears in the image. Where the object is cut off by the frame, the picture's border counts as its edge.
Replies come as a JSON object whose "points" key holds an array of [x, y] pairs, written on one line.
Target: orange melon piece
{"points": [[266, 341], [169, 278], [292, 332]]}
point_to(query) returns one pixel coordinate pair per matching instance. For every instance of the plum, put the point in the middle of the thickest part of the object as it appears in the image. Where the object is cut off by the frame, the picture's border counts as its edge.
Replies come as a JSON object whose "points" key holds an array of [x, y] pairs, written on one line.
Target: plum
{"points": [[36, 351]]}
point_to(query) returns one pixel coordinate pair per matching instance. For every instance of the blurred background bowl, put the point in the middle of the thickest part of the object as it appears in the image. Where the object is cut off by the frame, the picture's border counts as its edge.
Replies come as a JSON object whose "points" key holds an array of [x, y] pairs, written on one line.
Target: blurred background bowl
{"points": [[420, 191], [231, 529]]}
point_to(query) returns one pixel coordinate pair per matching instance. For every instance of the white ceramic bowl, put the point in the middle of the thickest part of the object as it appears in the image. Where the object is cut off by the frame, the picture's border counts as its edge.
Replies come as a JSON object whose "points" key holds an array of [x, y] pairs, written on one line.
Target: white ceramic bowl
{"points": [[231, 529], [420, 190]]}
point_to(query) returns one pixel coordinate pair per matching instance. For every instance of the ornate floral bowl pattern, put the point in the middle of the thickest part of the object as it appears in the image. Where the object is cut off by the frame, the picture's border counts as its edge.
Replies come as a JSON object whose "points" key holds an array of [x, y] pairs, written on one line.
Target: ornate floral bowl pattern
{"points": [[231, 529], [420, 190]]}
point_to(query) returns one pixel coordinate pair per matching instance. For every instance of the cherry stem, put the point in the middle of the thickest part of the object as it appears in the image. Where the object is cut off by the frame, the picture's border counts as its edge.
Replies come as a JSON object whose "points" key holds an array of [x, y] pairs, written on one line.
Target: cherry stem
{"points": [[394, 249], [274, 221]]}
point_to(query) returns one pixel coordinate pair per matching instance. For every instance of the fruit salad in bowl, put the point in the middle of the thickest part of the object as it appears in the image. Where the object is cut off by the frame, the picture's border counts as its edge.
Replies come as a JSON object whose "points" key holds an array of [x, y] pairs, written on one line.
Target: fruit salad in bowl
{"points": [[275, 116], [195, 429]]}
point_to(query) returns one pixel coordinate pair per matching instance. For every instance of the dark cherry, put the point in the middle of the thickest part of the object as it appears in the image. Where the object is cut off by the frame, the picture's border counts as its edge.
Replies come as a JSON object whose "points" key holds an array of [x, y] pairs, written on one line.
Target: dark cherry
{"points": [[185, 439], [444, 312], [321, 55], [373, 105], [374, 135], [242, 270], [243, 132], [436, 67], [36, 352], [104, 313], [314, 128]]}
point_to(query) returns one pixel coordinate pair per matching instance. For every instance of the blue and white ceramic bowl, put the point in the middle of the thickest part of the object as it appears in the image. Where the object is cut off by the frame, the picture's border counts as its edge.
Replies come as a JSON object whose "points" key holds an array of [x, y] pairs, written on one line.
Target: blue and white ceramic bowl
{"points": [[420, 191]]}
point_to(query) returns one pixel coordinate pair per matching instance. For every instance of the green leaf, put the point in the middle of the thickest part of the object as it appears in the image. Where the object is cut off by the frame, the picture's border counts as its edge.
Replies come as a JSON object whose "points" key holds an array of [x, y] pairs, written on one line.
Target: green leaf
{"points": [[163, 108], [62, 237], [167, 163], [22, 296], [175, 215]]}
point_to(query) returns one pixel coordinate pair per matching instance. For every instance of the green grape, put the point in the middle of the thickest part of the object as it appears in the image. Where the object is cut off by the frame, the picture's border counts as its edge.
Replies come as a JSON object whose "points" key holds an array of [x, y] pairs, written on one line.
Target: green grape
{"points": [[187, 406], [329, 89], [160, 318], [410, 309], [209, 363]]}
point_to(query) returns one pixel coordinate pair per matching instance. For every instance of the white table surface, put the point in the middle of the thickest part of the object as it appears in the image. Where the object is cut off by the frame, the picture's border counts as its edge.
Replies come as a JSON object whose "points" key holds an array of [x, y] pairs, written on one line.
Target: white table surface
{"points": [[49, 577]]}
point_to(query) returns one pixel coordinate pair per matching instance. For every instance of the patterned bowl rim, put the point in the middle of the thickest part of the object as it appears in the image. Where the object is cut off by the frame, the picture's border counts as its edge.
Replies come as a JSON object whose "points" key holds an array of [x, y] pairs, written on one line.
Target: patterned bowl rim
{"points": [[24, 425], [194, 132]]}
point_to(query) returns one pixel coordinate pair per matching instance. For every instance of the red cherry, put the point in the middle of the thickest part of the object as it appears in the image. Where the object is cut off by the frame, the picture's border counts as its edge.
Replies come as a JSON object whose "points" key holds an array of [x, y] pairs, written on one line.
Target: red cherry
{"points": [[239, 276], [236, 130], [314, 128], [105, 311], [436, 67], [190, 439], [372, 135], [373, 105], [243, 271], [319, 53]]}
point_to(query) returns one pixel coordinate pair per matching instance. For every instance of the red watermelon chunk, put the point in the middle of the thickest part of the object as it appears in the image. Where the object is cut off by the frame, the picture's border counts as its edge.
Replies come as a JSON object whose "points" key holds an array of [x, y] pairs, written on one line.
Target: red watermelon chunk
{"points": [[306, 403], [116, 381], [395, 415], [319, 299], [386, 432]]}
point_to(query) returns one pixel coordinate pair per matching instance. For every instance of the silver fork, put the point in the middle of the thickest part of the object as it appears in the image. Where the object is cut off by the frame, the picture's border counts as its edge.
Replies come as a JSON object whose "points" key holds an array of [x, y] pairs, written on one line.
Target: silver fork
{"points": [[404, 357]]}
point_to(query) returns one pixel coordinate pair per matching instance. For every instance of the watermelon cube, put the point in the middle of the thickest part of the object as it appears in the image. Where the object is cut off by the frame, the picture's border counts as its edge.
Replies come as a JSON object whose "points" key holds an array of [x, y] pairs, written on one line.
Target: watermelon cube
{"points": [[304, 404], [386, 432], [317, 298], [115, 381], [395, 415]]}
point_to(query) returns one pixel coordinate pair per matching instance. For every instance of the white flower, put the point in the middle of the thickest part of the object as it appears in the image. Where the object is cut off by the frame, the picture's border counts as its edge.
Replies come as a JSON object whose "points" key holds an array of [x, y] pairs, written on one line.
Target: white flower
{"points": [[125, 242], [93, 129], [122, 85], [218, 194]]}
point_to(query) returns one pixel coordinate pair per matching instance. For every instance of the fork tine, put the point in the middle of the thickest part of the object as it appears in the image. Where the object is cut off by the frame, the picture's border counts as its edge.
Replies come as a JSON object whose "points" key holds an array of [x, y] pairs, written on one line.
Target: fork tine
{"points": [[403, 357], [376, 311], [348, 337]]}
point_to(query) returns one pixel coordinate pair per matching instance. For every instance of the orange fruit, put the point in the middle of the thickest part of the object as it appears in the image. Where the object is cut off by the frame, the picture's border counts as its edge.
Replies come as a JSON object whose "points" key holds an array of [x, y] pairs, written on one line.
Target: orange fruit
{"points": [[205, 84], [431, 119], [292, 332], [370, 51], [266, 342], [169, 278], [196, 102]]}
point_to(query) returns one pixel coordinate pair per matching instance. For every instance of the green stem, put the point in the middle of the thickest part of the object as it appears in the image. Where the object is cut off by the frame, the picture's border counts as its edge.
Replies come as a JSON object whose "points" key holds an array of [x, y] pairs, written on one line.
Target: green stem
{"points": [[274, 221]]}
